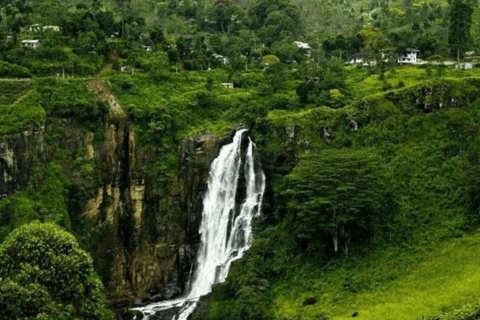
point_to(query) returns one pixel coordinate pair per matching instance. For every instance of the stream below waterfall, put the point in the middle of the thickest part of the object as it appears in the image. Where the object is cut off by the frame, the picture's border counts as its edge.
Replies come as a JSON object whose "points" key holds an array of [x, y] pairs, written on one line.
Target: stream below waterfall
{"points": [[234, 196]]}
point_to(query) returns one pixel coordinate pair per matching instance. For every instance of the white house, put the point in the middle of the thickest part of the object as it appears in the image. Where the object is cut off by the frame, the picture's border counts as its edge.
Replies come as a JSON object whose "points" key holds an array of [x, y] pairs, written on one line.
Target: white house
{"points": [[38, 27], [228, 85], [53, 28], [363, 59], [303, 45], [220, 58], [34, 44], [410, 58], [355, 59]]}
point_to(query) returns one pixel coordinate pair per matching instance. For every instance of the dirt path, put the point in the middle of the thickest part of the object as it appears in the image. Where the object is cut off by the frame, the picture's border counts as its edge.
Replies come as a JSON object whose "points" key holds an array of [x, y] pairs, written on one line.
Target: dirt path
{"points": [[103, 92]]}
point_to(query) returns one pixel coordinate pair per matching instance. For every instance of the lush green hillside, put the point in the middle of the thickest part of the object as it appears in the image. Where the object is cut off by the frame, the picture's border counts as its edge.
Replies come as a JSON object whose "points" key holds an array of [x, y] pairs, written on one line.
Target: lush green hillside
{"points": [[399, 166], [399, 250], [373, 170]]}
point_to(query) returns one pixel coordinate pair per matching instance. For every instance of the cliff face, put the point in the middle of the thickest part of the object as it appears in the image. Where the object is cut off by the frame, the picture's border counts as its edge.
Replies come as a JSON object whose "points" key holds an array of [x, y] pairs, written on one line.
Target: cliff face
{"points": [[143, 240], [16, 154], [149, 238]]}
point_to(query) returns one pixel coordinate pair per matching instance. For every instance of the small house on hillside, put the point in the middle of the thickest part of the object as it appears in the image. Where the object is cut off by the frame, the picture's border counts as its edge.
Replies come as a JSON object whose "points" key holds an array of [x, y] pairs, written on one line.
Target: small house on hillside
{"points": [[34, 44], [304, 47], [220, 58], [228, 85], [465, 65], [355, 58], [361, 59], [410, 58], [38, 28]]}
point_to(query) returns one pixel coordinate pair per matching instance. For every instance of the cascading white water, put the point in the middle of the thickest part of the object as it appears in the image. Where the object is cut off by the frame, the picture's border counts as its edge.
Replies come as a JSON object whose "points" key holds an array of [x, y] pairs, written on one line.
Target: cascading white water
{"points": [[225, 228]]}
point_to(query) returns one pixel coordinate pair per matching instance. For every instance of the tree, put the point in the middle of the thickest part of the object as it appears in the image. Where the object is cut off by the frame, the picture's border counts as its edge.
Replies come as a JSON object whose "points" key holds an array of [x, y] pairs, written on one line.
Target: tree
{"points": [[96, 5], [374, 40], [44, 274], [158, 64], [269, 60], [460, 21], [275, 20], [17, 14], [288, 51], [335, 193], [123, 6], [219, 17], [320, 78]]}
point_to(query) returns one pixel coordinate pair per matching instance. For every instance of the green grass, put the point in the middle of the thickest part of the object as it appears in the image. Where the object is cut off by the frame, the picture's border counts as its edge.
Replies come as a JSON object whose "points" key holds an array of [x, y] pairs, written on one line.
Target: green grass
{"points": [[10, 91], [361, 84], [23, 112], [183, 96], [444, 280]]}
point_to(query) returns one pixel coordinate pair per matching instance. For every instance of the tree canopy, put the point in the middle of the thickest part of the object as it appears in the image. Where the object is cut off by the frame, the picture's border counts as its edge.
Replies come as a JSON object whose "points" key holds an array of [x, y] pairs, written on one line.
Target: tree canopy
{"points": [[44, 274], [460, 22], [335, 193]]}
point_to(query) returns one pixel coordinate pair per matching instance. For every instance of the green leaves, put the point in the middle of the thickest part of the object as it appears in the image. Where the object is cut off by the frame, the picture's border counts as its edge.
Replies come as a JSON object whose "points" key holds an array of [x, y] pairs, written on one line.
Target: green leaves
{"points": [[460, 21], [334, 189], [44, 273]]}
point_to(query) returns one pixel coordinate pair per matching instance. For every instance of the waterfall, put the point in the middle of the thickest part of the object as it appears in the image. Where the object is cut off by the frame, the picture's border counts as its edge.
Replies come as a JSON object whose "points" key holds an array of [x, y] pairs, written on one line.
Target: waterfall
{"points": [[229, 206]]}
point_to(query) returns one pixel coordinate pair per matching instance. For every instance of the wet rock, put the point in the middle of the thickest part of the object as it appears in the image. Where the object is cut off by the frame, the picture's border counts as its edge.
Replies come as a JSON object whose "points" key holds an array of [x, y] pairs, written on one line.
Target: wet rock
{"points": [[202, 311]]}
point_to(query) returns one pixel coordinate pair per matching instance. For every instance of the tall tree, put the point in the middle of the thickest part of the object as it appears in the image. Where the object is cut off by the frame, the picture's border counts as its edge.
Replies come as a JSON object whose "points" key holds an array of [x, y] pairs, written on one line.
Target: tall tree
{"points": [[123, 6], [336, 193], [460, 21], [275, 20]]}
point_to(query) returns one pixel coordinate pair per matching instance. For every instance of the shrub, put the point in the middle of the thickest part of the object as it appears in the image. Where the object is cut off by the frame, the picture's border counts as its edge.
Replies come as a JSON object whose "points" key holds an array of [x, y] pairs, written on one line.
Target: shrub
{"points": [[13, 70], [45, 274], [23, 112], [55, 96]]}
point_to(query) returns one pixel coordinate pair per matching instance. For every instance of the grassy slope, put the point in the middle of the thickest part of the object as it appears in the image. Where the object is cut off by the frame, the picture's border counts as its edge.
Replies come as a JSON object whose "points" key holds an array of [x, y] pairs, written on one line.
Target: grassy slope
{"points": [[10, 91], [442, 280], [184, 97], [26, 110], [431, 159]]}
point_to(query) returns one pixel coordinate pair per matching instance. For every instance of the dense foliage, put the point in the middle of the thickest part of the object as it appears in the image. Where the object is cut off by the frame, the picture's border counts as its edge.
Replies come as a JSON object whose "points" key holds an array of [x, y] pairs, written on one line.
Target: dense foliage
{"points": [[333, 192], [12, 70], [379, 162], [228, 34], [23, 112], [45, 275]]}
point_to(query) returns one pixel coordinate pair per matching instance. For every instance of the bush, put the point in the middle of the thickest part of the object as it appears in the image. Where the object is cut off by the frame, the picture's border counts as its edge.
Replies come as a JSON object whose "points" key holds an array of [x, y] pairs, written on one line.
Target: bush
{"points": [[55, 96], [23, 112], [282, 101], [45, 274], [13, 70]]}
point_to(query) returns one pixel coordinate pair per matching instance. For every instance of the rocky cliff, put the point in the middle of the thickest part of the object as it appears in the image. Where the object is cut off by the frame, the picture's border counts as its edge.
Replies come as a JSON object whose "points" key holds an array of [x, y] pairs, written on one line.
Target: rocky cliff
{"points": [[149, 238], [16, 152], [143, 240]]}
